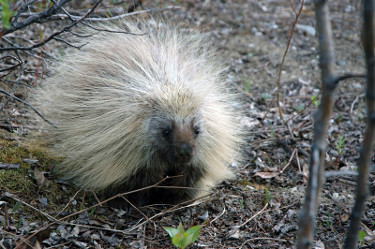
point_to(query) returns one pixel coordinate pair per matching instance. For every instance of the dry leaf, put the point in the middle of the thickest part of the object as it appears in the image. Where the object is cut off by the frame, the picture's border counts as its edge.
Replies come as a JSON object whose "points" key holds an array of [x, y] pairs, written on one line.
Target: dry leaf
{"points": [[267, 175], [40, 178]]}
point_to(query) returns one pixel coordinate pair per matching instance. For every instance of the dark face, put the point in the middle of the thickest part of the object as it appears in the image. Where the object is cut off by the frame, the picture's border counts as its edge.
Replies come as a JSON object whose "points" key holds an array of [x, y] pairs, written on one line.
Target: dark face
{"points": [[179, 141]]}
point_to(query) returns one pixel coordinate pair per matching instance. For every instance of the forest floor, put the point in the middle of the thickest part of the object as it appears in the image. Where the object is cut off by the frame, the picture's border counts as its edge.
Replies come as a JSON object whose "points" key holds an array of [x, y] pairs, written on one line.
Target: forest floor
{"points": [[258, 209]]}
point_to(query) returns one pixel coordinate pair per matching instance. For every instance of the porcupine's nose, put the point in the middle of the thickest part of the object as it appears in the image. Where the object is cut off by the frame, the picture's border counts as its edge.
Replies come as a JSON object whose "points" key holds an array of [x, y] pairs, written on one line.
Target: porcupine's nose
{"points": [[184, 152]]}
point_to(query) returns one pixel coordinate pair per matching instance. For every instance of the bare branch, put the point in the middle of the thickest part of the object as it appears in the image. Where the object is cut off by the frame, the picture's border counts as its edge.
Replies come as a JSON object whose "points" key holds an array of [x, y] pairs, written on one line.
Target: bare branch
{"points": [[101, 19], [22, 9], [327, 59], [27, 104], [36, 18], [65, 29], [339, 78], [283, 61], [368, 39], [11, 67]]}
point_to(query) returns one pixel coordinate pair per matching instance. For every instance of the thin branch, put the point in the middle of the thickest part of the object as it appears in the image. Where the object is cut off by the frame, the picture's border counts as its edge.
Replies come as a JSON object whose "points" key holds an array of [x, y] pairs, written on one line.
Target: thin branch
{"points": [[27, 52], [102, 19], [61, 220], [12, 196], [283, 61], [65, 29], [255, 215], [22, 9], [339, 78], [292, 6], [304, 109], [11, 67], [340, 173], [27, 104], [368, 39], [277, 93], [69, 44], [35, 18], [112, 31], [307, 215]]}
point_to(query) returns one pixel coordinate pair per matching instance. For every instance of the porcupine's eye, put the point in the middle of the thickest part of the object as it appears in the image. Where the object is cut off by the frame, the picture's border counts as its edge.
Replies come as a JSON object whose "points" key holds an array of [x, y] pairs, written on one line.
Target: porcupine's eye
{"points": [[166, 132], [196, 131]]}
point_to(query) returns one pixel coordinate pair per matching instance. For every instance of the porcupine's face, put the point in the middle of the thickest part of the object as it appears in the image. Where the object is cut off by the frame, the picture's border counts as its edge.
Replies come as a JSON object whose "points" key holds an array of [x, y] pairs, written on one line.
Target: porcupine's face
{"points": [[177, 140]]}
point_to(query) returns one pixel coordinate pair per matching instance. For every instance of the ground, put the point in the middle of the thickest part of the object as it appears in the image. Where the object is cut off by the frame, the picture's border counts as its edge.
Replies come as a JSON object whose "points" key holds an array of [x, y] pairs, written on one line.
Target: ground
{"points": [[253, 210]]}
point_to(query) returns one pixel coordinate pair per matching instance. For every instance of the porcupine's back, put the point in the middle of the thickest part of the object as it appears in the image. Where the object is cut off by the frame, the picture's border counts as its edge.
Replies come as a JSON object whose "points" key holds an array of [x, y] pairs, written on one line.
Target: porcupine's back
{"points": [[105, 97]]}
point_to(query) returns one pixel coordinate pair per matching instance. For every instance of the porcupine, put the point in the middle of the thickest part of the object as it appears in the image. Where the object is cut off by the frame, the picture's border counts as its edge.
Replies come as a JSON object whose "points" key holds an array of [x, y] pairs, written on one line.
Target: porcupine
{"points": [[132, 109]]}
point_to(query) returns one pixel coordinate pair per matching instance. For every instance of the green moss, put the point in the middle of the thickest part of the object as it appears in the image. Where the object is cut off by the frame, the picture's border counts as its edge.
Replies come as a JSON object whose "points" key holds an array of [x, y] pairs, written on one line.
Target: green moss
{"points": [[14, 150], [22, 183], [16, 181], [245, 183]]}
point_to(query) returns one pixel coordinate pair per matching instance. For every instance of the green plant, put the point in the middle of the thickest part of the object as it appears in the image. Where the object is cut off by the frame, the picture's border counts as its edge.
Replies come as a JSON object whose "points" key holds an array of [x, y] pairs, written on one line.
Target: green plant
{"points": [[299, 108], [328, 222], [361, 236], [338, 119], [181, 238], [241, 204], [271, 128], [19, 223], [339, 144], [5, 13], [267, 196], [17, 206], [265, 97], [314, 100], [246, 85]]}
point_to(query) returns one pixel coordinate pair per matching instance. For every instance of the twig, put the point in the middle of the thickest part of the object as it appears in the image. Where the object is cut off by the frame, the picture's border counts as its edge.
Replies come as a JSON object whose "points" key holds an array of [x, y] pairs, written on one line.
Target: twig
{"points": [[11, 67], [9, 195], [353, 103], [16, 83], [339, 78], [61, 220], [290, 160], [217, 217], [255, 215], [131, 204], [68, 43], [35, 18], [22, 9], [340, 173], [262, 238], [15, 235], [172, 209], [27, 104], [292, 6], [114, 197], [304, 109], [65, 29], [71, 199], [299, 166], [283, 61], [102, 19]]}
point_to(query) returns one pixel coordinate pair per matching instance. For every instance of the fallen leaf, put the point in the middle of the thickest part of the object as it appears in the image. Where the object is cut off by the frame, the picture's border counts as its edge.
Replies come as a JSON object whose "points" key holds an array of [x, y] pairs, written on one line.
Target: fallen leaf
{"points": [[267, 175]]}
